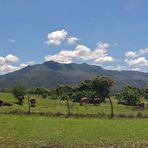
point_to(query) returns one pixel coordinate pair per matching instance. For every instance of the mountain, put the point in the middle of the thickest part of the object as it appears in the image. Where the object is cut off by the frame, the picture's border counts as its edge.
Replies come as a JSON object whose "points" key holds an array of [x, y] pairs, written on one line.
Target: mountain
{"points": [[50, 74]]}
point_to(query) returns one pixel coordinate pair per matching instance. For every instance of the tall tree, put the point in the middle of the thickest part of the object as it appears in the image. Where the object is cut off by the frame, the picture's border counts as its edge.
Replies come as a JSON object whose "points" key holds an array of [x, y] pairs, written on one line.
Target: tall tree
{"points": [[102, 86], [146, 94]]}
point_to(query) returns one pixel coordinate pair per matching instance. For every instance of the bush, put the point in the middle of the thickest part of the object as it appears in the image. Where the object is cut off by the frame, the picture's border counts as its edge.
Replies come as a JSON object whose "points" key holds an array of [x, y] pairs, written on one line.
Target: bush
{"points": [[130, 95], [19, 91]]}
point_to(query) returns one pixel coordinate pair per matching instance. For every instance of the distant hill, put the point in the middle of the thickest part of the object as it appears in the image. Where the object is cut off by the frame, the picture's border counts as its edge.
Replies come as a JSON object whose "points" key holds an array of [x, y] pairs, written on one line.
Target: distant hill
{"points": [[50, 74]]}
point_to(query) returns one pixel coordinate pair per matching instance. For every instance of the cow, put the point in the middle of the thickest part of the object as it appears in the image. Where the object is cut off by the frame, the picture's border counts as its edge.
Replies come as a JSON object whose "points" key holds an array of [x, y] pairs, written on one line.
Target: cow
{"points": [[1, 103], [33, 102], [141, 105], [87, 100], [97, 101], [20, 99]]}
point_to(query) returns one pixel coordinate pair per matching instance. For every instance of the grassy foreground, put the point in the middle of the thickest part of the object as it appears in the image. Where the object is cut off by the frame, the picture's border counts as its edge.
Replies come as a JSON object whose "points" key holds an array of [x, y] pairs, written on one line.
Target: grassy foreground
{"points": [[39, 131]]}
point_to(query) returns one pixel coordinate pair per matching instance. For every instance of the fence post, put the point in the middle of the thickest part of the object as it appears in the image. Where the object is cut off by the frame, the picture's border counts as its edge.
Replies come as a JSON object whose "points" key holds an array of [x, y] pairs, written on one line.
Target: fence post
{"points": [[29, 111]]}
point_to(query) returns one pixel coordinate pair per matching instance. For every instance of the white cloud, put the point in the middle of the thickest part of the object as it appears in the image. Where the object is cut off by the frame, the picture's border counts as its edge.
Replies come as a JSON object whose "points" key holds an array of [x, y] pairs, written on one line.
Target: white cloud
{"points": [[100, 54], [22, 65], [11, 40], [11, 58], [2, 60], [6, 63], [140, 61], [137, 58], [131, 54], [56, 37], [72, 40], [6, 68], [143, 51]]}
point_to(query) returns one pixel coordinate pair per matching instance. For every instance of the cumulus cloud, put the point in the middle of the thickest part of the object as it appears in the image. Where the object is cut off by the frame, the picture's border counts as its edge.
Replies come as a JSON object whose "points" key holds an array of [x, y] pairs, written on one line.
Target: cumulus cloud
{"points": [[99, 55], [66, 56], [56, 37], [137, 60], [22, 65], [140, 61], [72, 40], [143, 51], [131, 54], [7, 64], [6, 68], [11, 58]]}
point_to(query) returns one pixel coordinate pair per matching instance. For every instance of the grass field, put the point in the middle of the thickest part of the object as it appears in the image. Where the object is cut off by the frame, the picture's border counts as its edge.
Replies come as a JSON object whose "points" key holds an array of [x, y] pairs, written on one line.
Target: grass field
{"points": [[60, 132], [39, 131], [55, 107]]}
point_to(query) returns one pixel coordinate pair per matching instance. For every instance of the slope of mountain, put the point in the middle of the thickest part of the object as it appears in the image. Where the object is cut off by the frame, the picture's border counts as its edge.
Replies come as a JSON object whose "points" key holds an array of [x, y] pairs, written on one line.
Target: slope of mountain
{"points": [[50, 74]]}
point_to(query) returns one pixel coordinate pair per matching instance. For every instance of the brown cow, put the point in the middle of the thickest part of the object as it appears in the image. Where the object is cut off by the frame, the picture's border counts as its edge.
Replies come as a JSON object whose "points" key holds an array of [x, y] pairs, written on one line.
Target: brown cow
{"points": [[97, 101], [1, 103], [84, 100], [20, 99], [90, 101], [141, 105], [33, 102]]}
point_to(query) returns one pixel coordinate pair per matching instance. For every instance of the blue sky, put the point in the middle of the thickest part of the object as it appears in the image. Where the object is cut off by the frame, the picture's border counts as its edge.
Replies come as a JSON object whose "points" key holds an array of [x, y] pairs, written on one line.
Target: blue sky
{"points": [[109, 33]]}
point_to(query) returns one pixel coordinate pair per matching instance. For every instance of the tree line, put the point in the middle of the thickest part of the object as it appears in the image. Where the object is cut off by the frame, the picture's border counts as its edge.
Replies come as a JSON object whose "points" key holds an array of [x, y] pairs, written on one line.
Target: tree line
{"points": [[99, 87]]}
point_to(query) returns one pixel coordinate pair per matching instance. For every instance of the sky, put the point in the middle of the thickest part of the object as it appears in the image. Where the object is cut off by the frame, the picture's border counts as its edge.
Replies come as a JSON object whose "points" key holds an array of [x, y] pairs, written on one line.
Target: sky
{"points": [[112, 34]]}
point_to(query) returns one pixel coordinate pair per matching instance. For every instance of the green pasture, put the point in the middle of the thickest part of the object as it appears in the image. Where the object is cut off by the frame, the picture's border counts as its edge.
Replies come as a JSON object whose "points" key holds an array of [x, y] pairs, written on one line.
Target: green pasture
{"points": [[40, 131], [56, 107]]}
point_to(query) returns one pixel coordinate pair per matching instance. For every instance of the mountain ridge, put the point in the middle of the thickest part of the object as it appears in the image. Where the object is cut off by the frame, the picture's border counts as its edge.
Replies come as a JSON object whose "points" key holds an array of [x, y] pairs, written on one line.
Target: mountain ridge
{"points": [[50, 74]]}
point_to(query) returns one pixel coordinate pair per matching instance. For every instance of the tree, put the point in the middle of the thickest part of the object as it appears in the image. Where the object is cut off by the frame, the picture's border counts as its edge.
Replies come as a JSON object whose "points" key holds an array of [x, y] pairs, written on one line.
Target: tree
{"points": [[85, 85], [130, 95], [41, 91], [19, 92], [64, 89], [145, 94], [102, 86]]}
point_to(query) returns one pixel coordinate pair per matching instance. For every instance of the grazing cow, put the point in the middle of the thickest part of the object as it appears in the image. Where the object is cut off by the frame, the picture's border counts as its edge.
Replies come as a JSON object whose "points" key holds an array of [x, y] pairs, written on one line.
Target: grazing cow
{"points": [[84, 100], [141, 105], [94, 101], [1, 103], [97, 101], [33, 102], [20, 99]]}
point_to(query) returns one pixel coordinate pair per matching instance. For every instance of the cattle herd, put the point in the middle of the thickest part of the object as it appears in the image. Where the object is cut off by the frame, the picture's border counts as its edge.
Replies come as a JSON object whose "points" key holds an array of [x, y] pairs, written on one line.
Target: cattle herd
{"points": [[84, 100], [87, 100], [32, 102]]}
